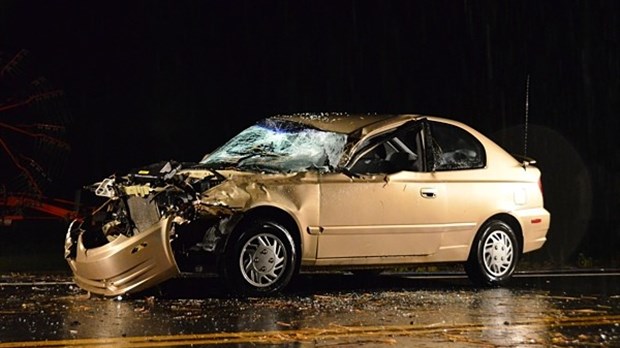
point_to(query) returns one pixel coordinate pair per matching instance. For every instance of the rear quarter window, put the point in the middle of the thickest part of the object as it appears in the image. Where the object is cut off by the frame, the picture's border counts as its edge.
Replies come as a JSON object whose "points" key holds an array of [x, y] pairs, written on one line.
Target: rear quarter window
{"points": [[455, 149]]}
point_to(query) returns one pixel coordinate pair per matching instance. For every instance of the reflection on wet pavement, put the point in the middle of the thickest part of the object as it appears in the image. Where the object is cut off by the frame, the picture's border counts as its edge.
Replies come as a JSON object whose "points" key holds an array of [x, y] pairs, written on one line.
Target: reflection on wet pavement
{"points": [[320, 311]]}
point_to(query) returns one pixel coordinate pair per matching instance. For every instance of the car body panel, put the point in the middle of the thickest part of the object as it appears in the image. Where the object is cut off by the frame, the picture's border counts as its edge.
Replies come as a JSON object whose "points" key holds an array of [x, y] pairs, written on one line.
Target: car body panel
{"points": [[126, 264], [377, 216], [296, 194]]}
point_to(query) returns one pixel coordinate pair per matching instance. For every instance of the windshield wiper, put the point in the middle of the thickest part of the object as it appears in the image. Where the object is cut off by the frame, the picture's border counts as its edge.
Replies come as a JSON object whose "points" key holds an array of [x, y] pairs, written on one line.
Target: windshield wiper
{"points": [[257, 152], [346, 171], [261, 167]]}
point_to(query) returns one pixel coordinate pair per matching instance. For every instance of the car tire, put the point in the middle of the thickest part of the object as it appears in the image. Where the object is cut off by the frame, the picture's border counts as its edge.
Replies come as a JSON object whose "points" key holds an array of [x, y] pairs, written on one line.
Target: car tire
{"points": [[261, 260], [494, 255]]}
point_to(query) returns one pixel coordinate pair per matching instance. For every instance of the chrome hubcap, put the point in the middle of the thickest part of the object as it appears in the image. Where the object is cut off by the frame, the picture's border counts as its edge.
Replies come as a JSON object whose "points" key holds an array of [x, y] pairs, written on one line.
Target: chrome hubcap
{"points": [[263, 260], [498, 253]]}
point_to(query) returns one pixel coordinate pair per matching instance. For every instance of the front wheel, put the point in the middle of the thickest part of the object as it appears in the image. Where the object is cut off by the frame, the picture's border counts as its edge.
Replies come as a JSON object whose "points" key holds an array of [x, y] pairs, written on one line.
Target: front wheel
{"points": [[494, 255], [261, 260]]}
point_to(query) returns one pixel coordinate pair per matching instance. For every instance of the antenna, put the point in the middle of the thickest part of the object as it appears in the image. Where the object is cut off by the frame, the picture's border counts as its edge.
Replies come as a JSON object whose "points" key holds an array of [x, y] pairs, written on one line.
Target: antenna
{"points": [[527, 108]]}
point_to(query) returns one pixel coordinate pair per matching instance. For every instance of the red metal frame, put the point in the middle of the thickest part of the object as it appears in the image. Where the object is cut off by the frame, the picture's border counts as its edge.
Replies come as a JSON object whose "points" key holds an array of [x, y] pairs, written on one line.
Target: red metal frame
{"points": [[16, 208]]}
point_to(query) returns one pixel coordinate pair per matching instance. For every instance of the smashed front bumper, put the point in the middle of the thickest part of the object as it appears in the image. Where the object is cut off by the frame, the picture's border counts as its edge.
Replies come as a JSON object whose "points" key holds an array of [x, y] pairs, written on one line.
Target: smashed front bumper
{"points": [[126, 264]]}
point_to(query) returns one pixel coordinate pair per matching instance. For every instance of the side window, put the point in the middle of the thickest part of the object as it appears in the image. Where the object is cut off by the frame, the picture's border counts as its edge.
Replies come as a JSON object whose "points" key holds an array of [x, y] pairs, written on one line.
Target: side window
{"points": [[374, 160], [393, 153], [405, 154], [454, 148]]}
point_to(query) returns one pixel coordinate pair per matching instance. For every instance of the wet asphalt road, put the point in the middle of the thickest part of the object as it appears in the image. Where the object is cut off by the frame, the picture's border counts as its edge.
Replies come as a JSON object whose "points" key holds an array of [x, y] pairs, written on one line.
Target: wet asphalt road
{"points": [[320, 310]]}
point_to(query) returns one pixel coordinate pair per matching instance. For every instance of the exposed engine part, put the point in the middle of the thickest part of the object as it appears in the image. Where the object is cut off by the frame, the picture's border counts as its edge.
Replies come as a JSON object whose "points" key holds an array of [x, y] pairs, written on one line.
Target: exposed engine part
{"points": [[144, 196], [105, 188], [143, 211]]}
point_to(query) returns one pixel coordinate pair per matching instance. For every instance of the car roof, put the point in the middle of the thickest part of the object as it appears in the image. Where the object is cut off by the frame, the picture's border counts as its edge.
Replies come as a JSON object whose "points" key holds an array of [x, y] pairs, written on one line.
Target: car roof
{"points": [[362, 124], [344, 122]]}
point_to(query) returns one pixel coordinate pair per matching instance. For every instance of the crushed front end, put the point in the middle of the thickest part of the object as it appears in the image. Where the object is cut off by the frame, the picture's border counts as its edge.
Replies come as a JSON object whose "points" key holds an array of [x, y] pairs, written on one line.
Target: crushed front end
{"points": [[132, 241]]}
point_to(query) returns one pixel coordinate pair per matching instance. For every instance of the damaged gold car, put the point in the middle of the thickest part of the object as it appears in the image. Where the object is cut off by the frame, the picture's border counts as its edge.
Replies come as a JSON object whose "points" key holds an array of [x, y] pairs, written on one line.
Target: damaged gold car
{"points": [[301, 192]]}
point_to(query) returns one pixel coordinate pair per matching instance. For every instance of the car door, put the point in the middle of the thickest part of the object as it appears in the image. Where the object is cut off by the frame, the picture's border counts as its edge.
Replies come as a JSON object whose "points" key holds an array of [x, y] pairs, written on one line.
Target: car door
{"points": [[388, 205]]}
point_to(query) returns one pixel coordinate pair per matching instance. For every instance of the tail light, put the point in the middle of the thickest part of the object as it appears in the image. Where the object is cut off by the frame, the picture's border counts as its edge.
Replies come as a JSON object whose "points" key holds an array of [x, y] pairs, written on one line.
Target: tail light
{"points": [[540, 186]]}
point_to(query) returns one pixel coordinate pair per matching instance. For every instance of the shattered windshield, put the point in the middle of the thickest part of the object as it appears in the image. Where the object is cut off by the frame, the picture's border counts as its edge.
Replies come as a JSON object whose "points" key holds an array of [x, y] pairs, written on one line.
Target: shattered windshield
{"points": [[279, 146]]}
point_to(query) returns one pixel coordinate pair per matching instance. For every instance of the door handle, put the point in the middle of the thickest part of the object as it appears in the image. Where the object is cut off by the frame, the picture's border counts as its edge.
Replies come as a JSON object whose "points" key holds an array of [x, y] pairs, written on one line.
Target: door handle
{"points": [[428, 192]]}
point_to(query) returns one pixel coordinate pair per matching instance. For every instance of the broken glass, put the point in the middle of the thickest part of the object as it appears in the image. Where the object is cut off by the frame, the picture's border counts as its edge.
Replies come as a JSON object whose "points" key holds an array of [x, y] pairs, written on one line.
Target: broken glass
{"points": [[279, 146]]}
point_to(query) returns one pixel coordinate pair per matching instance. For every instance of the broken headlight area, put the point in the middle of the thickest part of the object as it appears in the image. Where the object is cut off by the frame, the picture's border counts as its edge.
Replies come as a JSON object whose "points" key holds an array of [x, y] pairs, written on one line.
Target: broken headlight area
{"points": [[142, 199]]}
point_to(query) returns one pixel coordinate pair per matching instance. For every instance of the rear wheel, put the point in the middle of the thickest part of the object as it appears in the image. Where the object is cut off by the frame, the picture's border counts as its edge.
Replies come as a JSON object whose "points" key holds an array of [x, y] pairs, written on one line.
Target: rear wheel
{"points": [[261, 260], [494, 255]]}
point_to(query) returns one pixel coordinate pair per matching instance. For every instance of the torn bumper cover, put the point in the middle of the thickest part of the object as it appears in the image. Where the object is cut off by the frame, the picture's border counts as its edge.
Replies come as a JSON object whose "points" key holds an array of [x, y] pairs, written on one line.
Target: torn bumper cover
{"points": [[125, 264], [132, 241]]}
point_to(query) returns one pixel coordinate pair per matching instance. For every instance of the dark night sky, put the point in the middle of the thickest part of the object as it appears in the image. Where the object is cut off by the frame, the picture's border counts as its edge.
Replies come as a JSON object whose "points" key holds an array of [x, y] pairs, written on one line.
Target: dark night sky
{"points": [[151, 80]]}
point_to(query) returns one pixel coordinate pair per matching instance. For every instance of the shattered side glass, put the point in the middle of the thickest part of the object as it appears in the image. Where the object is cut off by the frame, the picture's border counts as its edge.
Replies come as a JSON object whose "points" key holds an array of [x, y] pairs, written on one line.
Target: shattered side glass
{"points": [[458, 159], [454, 149], [279, 146]]}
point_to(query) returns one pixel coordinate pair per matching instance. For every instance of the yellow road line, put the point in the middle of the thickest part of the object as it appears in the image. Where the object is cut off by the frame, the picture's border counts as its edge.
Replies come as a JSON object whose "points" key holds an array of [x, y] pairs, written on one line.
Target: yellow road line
{"points": [[310, 334]]}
